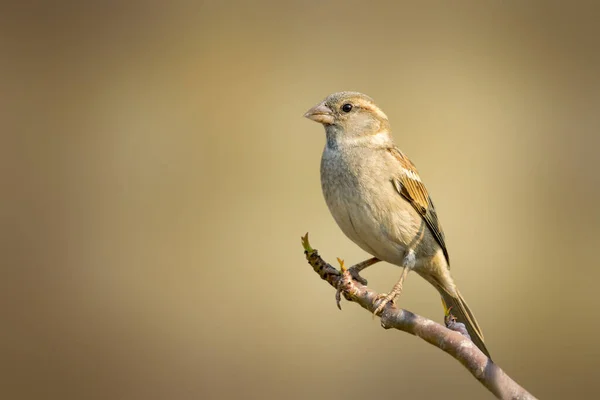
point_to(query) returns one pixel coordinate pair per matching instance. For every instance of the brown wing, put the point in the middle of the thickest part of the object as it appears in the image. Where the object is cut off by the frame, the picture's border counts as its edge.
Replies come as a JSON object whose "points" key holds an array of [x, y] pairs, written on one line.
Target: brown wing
{"points": [[409, 185]]}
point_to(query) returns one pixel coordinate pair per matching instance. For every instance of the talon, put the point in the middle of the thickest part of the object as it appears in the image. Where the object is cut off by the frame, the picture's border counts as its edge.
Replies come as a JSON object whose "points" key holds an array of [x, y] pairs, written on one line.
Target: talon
{"points": [[391, 296], [338, 297], [384, 299]]}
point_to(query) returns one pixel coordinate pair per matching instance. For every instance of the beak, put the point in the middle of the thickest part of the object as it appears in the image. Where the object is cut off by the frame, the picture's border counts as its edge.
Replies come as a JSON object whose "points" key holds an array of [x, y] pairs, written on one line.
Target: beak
{"points": [[321, 114]]}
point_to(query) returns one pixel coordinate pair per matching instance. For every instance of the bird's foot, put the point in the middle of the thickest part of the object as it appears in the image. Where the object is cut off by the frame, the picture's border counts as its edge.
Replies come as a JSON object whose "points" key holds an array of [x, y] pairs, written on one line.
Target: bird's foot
{"points": [[383, 300], [391, 296], [349, 274]]}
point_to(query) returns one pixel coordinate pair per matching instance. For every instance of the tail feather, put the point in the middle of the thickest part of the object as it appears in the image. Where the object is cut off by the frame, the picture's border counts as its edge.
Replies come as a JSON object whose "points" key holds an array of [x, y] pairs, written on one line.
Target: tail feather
{"points": [[463, 314]]}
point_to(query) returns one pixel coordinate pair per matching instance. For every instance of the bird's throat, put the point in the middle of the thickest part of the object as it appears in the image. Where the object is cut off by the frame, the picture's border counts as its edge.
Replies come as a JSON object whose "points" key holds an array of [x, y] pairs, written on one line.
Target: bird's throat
{"points": [[337, 138]]}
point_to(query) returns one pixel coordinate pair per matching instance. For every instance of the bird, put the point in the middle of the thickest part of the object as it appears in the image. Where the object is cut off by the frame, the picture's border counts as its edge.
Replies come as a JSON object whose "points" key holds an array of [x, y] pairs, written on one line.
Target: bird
{"points": [[380, 202]]}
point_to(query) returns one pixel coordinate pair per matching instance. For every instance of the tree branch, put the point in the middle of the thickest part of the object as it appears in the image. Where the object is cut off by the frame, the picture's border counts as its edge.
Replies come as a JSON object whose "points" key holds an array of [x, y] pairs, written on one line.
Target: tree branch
{"points": [[452, 342]]}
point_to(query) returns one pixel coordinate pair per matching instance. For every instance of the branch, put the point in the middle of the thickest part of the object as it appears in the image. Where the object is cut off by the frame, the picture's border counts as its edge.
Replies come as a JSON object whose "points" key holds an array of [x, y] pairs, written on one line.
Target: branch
{"points": [[452, 342]]}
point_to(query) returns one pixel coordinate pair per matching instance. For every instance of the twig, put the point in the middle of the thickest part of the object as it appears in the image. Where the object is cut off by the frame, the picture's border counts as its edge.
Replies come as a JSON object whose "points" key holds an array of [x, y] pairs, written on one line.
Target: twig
{"points": [[452, 342]]}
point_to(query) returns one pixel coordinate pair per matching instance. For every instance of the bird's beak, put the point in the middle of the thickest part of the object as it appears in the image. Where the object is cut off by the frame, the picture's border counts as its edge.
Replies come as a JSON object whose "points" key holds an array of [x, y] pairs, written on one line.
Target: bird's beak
{"points": [[321, 114]]}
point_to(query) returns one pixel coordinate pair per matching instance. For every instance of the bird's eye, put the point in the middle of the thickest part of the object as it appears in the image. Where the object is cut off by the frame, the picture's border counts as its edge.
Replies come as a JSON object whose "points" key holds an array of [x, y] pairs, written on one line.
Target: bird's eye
{"points": [[347, 107]]}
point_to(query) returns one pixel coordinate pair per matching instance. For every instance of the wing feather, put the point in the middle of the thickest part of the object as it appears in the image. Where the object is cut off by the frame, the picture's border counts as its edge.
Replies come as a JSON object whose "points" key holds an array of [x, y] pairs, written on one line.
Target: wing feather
{"points": [[409, 185]]}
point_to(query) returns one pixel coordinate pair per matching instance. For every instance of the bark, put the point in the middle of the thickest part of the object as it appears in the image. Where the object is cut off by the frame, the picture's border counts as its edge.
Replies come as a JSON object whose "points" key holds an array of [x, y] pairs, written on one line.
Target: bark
{"points": [[451, 341]]}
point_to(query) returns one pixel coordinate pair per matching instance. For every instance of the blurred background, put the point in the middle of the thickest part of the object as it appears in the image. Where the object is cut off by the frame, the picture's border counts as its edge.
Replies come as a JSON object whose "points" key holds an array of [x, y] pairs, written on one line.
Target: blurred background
{"points": [[157, 174]]}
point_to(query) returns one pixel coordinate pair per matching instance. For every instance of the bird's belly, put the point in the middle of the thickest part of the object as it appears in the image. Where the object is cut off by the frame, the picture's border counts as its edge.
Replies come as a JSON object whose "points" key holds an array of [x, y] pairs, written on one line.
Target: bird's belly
{"points": [[362, 227], [375, 220]]}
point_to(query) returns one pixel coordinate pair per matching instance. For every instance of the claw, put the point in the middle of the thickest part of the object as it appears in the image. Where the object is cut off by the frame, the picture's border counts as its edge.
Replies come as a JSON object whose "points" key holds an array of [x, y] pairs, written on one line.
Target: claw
{"points": [[341, 262], [385, 299], [391, 296], [338, 298]]}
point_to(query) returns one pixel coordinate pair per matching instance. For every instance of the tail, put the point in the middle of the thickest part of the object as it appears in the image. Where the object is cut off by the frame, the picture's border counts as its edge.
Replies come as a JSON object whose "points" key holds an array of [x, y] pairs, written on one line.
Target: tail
{"points": [[461, 311]]}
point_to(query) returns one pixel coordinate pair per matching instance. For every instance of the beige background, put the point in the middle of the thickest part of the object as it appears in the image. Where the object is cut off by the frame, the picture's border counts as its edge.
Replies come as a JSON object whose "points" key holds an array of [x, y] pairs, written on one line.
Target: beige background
{"points": [[156, 176]]}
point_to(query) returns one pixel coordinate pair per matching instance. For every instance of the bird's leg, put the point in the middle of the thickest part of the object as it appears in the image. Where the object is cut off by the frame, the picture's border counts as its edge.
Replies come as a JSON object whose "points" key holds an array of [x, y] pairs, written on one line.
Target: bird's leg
{"points": [[355, 269], [408, 263], [391, 296]]}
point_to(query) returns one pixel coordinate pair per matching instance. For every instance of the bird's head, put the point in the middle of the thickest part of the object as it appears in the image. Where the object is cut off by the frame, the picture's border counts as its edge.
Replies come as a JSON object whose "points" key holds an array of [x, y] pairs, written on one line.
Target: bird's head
{"points": [[349, 115]]}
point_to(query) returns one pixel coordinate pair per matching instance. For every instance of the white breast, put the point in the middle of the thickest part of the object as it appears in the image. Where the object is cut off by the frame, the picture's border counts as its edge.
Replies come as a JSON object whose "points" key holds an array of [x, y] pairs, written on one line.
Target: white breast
{"points": [[364, 203]]}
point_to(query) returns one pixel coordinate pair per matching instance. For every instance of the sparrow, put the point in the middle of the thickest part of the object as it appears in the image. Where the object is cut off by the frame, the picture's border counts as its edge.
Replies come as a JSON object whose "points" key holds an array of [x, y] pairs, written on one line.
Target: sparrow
{"points": [[379, 201]]}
